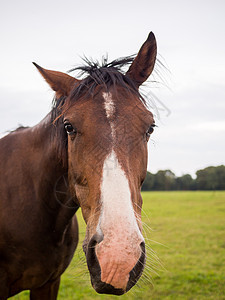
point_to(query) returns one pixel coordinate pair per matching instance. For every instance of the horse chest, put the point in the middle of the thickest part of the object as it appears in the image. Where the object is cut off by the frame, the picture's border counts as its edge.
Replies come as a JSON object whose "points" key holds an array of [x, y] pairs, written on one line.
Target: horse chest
{"points": [[33, 261]]}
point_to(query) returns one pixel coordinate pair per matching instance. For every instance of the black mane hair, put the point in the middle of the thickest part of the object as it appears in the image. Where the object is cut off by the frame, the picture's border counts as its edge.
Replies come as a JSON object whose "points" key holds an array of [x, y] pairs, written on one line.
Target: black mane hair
{"points": [[106, 74]]}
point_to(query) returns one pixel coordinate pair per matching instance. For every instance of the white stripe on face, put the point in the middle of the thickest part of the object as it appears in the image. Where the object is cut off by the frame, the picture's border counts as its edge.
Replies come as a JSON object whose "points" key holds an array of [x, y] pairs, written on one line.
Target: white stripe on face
{"points": [[109, 105], [109, 109], [116, 199], [117, 209], [120, 250]]}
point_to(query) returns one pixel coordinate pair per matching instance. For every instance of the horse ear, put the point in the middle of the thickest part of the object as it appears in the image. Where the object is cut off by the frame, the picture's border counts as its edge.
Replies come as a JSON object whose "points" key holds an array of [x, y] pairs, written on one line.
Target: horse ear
{"points": [[144, 62], [60, 82]]}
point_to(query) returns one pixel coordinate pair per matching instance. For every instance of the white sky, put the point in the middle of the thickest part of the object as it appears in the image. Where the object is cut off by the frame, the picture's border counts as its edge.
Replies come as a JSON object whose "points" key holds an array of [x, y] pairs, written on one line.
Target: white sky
{"points": [[191, 39]]}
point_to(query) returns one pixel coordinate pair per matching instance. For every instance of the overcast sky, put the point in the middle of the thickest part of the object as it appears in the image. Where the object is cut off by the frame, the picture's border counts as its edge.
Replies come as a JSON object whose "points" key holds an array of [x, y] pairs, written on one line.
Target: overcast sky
{"points": [[191, 43]]}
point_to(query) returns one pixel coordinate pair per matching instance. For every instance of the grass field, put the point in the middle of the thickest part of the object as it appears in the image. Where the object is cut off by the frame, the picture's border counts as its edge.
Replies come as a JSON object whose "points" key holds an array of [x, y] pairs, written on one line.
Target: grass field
{"points": [[187, 260]]}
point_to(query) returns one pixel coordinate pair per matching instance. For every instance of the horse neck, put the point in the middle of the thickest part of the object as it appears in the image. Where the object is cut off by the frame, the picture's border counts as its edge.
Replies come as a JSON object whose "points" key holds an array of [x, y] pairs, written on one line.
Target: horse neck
{"points": [[52, 188], [44, 141]]}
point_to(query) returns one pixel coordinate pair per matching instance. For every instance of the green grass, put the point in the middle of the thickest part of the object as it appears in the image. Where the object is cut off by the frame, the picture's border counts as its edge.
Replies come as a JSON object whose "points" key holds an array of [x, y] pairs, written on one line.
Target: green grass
{"points": [[187, 233]]}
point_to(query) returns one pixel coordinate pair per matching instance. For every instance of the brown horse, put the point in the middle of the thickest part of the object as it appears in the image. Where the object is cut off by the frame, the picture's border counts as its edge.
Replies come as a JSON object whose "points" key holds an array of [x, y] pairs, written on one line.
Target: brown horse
{"points": [[89, 152]]}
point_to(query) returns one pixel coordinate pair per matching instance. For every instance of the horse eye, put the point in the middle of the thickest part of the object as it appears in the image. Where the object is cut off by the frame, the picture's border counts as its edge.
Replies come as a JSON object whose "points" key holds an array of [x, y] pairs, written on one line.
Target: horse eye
{"points": [[69, 128], [150, 130]]}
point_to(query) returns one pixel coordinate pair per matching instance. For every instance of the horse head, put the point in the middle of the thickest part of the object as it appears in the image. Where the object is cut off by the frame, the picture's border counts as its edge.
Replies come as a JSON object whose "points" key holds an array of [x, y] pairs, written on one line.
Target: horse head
{"points": [[108, 126]]}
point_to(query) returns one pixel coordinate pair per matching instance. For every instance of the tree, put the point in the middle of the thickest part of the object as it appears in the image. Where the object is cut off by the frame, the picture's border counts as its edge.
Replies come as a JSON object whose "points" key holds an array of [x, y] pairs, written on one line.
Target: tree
{"points": [[185, 182], [220, 174], [211, 178], [148, 182], [164, 180]]}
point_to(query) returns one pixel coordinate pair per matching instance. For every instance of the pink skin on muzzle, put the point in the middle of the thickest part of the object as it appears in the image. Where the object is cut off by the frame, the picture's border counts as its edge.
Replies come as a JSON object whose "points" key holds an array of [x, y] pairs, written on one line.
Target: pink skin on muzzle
{"points": [[117, 256]]}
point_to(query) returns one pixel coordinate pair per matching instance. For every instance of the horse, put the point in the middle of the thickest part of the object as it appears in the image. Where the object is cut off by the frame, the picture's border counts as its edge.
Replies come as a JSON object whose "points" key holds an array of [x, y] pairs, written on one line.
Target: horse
{"points": [[89, 152]]}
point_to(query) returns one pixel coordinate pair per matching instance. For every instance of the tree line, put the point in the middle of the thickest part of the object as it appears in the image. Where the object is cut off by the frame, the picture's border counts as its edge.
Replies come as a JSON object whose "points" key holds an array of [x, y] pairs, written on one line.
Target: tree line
{"points": [[210, 178]]}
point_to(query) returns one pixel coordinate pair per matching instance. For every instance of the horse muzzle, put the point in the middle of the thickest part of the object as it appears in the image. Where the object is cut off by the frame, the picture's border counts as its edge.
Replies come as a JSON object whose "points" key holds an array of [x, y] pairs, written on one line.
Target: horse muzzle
{"points": [[114, 269]]}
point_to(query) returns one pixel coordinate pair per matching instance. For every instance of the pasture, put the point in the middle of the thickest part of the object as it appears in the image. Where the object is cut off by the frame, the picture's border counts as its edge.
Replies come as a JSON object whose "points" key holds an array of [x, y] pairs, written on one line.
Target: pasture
{"points": [[186, 232]]}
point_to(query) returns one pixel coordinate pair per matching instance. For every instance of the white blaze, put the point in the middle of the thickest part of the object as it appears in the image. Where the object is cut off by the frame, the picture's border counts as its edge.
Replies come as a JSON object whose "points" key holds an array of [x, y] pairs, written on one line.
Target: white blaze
{"points": [[110, 110], [109, 105], [117, 209]]}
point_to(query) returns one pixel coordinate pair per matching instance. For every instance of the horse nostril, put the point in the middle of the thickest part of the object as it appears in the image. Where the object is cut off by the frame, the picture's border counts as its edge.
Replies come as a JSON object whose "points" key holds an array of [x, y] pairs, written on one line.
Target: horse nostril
{"points": [[142, 245], [92, 261], [137, 271], [96, 239]]}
